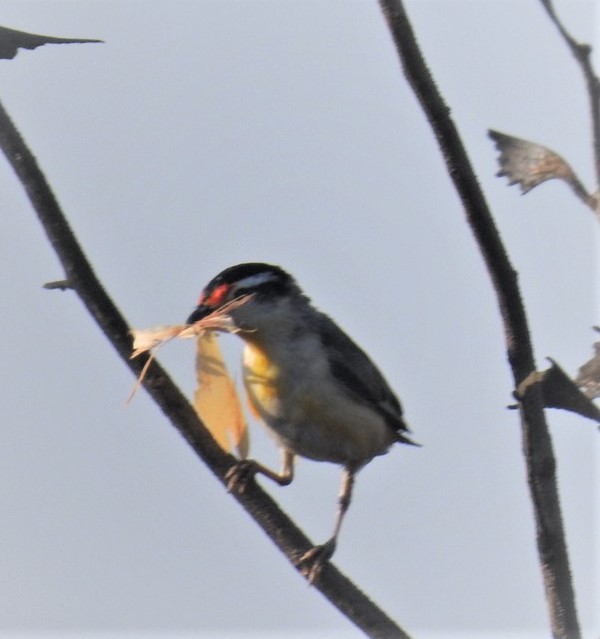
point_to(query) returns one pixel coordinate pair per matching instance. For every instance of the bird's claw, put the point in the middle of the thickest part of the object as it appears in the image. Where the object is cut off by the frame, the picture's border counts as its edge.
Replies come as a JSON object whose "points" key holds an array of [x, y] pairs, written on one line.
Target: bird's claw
{"points": [[238, 476], [312, 561]]}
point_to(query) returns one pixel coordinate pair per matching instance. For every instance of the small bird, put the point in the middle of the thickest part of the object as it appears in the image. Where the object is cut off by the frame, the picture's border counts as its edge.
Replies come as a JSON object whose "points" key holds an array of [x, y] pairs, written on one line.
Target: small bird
{"points": [[315, 390]]}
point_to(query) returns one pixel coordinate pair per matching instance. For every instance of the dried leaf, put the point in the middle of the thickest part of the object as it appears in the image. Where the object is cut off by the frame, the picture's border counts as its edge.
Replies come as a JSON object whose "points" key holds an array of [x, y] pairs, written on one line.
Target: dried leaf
{"points": [[216, 399], [560, 391], [12, 40], [529, 164], [588, 378], [147, 340]]}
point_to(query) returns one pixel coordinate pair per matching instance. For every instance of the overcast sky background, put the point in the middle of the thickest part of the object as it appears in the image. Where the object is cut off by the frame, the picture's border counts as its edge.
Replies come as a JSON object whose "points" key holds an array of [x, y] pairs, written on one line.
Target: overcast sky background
{"points": [[203, 134]]}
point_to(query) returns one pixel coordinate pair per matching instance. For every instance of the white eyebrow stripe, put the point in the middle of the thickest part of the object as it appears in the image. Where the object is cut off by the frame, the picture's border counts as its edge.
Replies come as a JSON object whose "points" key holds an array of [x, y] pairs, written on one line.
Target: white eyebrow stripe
{"points": [[255, 280]]}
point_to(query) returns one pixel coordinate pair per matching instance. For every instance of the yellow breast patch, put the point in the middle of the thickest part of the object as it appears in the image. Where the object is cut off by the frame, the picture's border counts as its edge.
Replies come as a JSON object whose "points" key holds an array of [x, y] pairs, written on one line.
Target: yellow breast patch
{"points": [[260, 379]]}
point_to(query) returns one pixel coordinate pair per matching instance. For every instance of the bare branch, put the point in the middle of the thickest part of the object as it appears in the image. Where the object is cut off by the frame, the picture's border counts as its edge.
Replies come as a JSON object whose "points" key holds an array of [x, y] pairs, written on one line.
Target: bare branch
{"points": [[582, 53], [537, 444], [337, 588]]}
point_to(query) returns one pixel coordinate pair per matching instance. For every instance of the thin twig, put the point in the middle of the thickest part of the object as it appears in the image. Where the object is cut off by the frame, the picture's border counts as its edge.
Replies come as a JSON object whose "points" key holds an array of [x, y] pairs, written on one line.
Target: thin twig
{"points": [[537, 444], [583, 54], [337, 588], [61, 285]]}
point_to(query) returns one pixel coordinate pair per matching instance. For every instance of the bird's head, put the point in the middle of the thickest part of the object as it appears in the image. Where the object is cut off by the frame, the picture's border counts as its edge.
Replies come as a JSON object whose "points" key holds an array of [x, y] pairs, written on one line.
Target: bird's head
{"points": [[269, 286]]}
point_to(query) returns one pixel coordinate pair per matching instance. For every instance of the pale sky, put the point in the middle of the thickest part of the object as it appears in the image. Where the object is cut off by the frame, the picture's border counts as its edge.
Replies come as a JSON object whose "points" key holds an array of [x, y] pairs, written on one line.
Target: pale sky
{"points": [[203, 134]]}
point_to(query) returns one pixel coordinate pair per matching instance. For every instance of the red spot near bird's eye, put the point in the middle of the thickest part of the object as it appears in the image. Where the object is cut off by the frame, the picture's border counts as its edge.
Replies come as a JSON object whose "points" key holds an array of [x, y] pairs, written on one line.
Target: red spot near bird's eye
{"points": [[216, 296]]}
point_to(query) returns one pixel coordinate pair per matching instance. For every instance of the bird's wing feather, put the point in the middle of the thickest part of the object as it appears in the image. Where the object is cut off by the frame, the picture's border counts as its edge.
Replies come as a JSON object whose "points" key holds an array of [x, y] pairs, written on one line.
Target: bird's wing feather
{"points": [[367, 387]]}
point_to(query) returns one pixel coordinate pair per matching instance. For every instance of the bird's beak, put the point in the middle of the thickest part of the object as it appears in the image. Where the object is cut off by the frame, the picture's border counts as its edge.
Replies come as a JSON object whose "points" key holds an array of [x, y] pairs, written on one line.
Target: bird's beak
{"points": [[200, 312]]}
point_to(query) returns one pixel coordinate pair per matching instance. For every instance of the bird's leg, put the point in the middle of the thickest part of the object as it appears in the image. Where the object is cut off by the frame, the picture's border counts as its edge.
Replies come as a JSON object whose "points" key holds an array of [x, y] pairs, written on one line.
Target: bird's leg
{"points": [[242, 472], [311, 562]]}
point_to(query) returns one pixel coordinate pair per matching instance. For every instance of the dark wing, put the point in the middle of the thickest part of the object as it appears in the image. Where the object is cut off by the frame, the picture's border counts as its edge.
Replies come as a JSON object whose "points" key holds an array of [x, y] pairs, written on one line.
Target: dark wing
{"points": [[361, 378]]}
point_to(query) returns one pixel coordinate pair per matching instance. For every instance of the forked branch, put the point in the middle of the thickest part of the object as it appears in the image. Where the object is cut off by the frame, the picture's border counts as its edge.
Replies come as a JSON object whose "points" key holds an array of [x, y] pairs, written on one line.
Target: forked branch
{"points": [[537, 444], [582, 53]]}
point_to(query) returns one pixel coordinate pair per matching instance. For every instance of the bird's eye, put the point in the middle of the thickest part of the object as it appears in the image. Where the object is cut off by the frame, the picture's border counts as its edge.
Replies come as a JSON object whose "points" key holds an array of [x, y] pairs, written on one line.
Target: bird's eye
{"points": [[216, 296]]}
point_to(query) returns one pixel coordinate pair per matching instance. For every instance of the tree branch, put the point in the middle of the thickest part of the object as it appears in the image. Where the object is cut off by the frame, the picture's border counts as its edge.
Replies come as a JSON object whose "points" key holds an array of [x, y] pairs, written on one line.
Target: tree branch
{"points": [[80, 277], [583, 53], [537, 443]]}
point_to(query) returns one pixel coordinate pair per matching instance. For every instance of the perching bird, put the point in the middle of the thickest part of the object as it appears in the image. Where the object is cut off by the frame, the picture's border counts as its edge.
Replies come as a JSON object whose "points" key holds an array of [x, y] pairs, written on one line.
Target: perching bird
{"points": [[315, 390]]}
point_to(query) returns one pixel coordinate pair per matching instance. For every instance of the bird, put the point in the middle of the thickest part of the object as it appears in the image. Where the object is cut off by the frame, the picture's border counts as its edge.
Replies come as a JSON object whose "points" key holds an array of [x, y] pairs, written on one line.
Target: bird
{"points": [[314, 389]]}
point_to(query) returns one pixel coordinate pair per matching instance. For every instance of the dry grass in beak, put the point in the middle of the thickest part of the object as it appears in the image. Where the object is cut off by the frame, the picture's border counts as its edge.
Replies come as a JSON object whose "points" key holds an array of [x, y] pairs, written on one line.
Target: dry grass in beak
{"points": [[216, 399]]}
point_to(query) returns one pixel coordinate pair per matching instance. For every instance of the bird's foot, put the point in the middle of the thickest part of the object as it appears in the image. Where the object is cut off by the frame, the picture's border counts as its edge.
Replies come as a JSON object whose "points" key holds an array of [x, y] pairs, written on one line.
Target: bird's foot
{"points": [[238, 476], [312, 561]]}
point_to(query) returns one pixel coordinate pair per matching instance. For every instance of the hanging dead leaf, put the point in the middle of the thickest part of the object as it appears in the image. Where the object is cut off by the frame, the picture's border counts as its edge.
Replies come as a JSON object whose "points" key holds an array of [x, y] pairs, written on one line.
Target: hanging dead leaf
{"points": [[216, 399], [588, 378], [528, 164], [12, 40], [560, 391]]}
